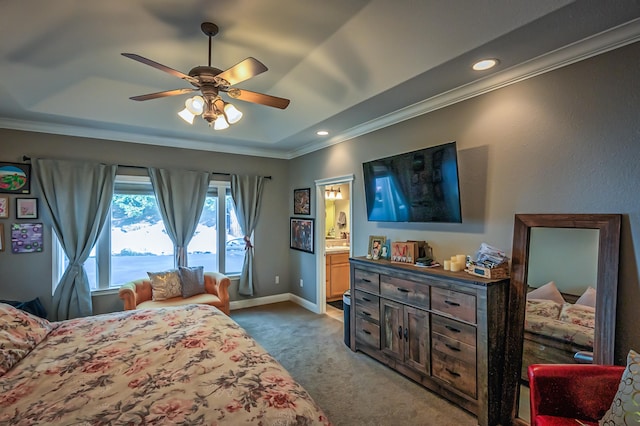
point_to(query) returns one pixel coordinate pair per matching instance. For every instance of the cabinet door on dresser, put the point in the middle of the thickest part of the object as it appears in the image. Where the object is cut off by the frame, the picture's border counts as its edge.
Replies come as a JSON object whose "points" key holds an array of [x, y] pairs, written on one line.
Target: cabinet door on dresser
{"points": [[404, 332], [416, 335]]}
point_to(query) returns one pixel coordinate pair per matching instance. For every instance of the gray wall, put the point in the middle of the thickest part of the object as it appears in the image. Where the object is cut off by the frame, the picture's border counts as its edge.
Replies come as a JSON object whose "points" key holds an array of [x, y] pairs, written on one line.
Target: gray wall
{"points": [[563, 142], [25, 276]]}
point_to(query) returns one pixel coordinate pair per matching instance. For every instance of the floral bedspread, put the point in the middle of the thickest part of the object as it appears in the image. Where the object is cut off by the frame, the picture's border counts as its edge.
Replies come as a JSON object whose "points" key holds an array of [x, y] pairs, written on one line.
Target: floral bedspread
{"points": [[182, 365], [561, 330]]}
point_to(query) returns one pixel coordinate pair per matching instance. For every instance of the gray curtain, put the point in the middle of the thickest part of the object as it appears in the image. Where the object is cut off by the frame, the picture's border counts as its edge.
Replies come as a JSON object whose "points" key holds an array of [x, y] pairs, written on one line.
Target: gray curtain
{"points": [[76, 197], [247, 194], [181, 195]]}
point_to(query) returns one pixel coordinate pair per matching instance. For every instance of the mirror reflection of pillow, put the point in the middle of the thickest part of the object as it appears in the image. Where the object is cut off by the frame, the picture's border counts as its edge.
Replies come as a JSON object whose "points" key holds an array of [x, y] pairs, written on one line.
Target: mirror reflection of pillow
{"points": [[549, 291], [588, 298], [578, 314], [543, 308]]}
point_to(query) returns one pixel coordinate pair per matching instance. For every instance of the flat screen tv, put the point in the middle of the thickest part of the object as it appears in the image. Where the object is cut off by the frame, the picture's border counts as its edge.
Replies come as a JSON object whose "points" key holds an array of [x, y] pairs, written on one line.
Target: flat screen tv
{"points": [[417, 186]]}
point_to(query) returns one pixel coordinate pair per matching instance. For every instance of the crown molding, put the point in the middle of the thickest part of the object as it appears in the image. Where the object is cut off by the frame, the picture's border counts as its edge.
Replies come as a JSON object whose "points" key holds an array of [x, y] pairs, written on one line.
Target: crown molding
{"points": [[597, 44]]}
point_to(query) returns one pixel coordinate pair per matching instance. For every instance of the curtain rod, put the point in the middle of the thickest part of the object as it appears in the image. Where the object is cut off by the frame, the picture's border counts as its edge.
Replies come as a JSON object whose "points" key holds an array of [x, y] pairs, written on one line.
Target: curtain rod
{"points": [[25, 158]]}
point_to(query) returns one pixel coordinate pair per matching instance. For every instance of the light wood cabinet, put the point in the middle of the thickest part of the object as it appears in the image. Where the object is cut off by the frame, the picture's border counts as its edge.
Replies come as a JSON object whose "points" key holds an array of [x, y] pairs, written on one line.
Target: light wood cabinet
{"points": [[337, 275], [444, 330]]}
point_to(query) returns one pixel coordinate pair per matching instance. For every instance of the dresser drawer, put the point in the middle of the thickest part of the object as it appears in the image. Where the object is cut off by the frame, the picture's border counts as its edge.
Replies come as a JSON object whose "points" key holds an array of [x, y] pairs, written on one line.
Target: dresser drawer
{"points": [[367, 333], [452, 329], [404, 291], [457, 373], [367, 305], [453, 348], [453, 303], [368, 281]]}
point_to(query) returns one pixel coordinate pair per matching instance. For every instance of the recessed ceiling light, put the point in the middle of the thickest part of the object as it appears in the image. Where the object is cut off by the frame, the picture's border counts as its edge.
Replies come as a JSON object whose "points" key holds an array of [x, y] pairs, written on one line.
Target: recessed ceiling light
{"points": [[485, 64], [322, 133]]}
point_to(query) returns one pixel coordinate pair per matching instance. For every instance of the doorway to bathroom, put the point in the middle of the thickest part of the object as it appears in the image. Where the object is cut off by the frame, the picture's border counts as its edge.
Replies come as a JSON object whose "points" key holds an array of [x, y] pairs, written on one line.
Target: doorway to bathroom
{"points": [[333, 236]]}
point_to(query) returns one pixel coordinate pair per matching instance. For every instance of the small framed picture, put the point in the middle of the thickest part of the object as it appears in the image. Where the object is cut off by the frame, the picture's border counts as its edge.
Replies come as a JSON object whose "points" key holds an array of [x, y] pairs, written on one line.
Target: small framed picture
{"points": [[26, 208], [302, 201], [377, 247], [4, 207], [301, 234], [26, 238], [1, 237]]}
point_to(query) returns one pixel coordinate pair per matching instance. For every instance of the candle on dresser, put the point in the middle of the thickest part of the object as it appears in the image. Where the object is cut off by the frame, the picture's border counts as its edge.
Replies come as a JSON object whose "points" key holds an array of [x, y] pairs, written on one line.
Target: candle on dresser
{"points": [[447, 265], [461, 258], [454, 258], [457, 266]]}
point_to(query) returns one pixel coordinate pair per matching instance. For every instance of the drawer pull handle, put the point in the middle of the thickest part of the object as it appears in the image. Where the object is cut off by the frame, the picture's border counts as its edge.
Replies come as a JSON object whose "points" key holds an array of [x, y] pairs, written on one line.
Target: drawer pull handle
{"points": [[366, 332], [366, 313], [366, 300], [452, 329], [366, 280], [406, 334], [400, 332], [453, 373], [453, 348], [403, 290], [450, 303]]}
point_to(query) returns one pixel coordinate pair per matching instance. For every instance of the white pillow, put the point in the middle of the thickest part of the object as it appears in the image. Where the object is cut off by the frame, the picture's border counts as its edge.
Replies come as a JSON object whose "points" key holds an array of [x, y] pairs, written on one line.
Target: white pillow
{"points": [[588, 298], [549, 291], [165, 285]]}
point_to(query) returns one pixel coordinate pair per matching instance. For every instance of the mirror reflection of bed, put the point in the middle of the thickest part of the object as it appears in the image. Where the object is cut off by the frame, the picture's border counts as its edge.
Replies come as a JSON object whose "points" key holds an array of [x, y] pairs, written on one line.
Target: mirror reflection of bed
{"points": [[560, 309], [566, 264]]}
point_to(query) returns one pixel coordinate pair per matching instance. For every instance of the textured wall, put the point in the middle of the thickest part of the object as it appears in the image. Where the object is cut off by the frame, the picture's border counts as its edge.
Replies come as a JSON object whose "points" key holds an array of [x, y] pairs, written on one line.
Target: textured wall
{"points": [[564, 142], [25, 276]]}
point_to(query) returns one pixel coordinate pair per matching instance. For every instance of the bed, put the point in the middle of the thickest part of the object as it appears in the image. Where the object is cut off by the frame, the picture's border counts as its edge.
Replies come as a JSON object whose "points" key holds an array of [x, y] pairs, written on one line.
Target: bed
{"points": [[557, 326], [178, 365]]}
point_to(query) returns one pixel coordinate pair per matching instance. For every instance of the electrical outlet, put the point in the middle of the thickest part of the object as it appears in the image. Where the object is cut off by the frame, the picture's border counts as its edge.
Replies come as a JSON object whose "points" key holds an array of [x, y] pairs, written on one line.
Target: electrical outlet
{"points": [[277, 279], [301, 283]]}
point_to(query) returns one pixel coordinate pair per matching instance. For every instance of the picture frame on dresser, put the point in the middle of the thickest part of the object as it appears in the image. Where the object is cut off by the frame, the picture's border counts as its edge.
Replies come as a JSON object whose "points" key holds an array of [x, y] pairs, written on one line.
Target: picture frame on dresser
{"points": [[4, 207], [376, 243]]}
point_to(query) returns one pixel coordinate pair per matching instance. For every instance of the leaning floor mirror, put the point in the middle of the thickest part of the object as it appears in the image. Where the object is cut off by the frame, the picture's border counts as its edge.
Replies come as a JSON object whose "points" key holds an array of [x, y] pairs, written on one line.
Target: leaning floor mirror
{"points": [[565, 275]]}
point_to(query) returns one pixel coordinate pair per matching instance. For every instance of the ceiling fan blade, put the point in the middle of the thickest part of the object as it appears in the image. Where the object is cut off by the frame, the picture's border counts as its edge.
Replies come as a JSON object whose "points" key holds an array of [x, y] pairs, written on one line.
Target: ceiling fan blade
{"points": [[243, 70], [164, 94], [160, 67], [259, 98]]}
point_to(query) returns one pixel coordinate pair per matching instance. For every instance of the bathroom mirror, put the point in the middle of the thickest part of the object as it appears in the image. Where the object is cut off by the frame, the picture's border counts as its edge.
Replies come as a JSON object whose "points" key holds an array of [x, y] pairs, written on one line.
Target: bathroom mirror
{"points": [[527, 228]]}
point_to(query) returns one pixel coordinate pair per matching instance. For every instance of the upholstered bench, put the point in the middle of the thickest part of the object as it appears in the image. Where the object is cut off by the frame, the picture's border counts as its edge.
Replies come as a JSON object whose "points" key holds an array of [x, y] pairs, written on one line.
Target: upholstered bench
{"points": [[138, 294]]}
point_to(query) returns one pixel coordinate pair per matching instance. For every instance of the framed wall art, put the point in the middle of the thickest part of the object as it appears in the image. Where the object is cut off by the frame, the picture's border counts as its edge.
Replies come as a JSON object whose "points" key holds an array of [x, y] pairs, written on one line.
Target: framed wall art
{"points": [[302, 201], [26, 208], [15, 178], [4, 207], [26, 238], [302, 234], [1, 237]]}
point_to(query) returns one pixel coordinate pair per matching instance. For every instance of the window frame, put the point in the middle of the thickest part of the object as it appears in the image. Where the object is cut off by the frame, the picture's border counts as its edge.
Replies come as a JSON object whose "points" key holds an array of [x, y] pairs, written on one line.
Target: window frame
{"points": [[217, 188]]}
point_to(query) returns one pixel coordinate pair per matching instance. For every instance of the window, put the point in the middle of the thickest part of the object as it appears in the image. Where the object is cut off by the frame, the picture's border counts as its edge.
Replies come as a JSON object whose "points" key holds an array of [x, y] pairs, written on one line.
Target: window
{"points": [[134, 240]]}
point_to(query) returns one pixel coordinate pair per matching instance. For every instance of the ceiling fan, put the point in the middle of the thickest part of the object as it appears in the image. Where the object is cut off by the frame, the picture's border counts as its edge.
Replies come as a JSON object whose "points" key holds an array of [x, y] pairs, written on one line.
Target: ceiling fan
{"points": [[210, 81]]}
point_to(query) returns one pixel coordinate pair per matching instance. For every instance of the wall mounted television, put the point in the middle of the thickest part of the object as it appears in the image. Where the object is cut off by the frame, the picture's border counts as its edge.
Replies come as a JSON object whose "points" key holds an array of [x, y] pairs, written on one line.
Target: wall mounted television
{"points": [[417, 186]]}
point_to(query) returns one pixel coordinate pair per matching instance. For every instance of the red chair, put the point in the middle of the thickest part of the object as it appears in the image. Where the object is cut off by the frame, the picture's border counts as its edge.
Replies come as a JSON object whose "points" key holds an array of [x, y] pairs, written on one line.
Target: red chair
{"points": [[560, 394]]}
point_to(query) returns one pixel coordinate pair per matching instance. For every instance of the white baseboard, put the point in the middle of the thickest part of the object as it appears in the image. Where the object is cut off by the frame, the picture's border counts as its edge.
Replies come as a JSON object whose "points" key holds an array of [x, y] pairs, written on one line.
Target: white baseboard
{"points": [[267, 300]]}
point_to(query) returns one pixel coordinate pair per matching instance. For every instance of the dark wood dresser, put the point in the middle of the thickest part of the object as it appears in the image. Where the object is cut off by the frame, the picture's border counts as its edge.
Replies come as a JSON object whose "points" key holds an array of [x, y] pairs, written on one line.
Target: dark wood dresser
{"points": [[444, 330]]}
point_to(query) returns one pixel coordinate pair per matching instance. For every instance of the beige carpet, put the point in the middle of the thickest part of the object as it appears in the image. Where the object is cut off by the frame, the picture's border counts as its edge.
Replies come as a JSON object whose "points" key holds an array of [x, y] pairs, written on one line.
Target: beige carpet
{"points": [[351, 388]]}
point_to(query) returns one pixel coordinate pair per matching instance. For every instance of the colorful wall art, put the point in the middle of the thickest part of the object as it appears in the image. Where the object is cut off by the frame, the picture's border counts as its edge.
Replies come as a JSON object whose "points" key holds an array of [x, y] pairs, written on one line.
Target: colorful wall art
{"points": [[26, 238]]}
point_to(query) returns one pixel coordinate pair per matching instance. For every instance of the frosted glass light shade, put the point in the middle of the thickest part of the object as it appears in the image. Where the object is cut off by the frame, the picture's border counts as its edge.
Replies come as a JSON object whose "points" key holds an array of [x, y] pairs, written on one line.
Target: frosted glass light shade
{"points": [[186, 116], [233, 115], [195, 105], [220, 123]]}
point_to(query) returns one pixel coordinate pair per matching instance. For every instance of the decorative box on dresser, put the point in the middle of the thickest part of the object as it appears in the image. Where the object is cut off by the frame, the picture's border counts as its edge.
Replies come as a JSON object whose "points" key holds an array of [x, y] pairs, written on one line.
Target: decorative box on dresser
{"points": [[444, 330]]}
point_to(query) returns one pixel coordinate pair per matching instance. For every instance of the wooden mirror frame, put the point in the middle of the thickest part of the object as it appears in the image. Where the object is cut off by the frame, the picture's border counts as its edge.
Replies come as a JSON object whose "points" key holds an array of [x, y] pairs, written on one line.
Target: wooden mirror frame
{"points": [[606, 287]]}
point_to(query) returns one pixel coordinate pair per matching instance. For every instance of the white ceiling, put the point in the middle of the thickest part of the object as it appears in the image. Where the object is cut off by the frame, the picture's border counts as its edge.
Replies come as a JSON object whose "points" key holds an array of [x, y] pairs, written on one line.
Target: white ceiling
{"points": [[348, 66]]}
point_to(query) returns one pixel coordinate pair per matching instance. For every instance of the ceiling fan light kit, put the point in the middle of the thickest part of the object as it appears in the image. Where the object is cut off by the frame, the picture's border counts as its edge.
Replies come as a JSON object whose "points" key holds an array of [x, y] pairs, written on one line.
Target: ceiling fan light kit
{"points": [[210, 82]]}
